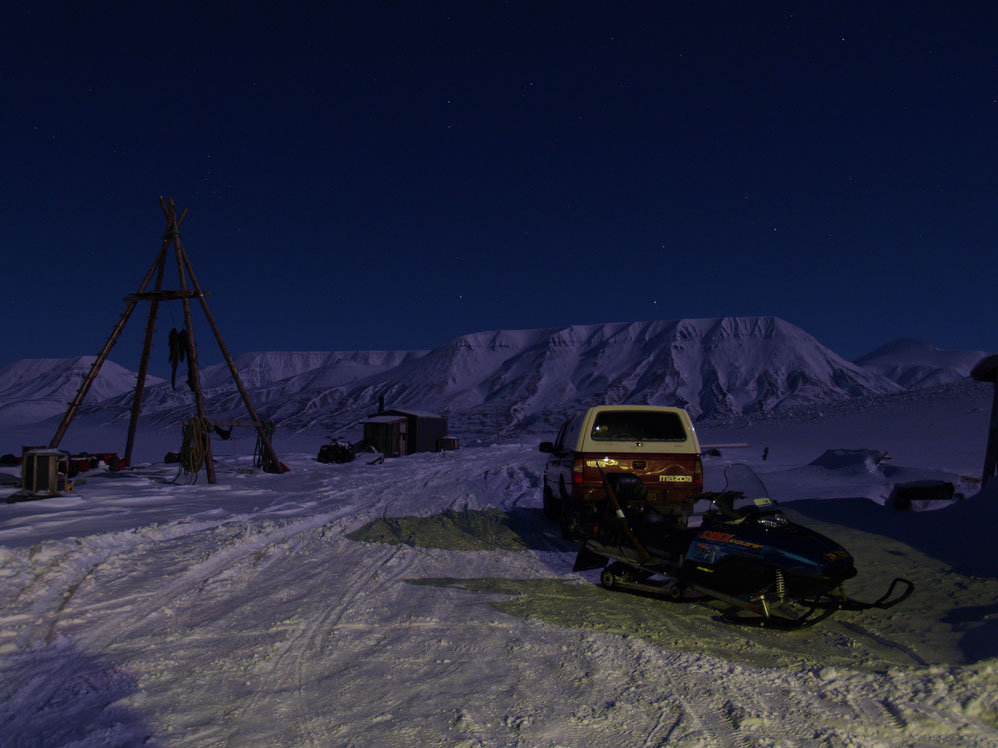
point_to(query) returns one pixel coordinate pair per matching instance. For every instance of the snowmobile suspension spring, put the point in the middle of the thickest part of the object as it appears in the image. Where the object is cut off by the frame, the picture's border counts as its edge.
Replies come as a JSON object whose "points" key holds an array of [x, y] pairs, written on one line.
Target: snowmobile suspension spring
{"points": [[781, 586]]}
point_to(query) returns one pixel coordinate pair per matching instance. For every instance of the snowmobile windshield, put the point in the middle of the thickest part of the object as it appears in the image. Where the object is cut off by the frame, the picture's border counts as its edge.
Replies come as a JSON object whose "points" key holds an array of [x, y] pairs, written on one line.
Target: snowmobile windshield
{"points": [[745, 495], [744, 480]]}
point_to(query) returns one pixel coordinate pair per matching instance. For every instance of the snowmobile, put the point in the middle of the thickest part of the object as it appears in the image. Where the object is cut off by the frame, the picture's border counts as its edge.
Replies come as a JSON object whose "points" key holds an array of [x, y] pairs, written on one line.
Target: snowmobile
{"points": [[734, 546]]}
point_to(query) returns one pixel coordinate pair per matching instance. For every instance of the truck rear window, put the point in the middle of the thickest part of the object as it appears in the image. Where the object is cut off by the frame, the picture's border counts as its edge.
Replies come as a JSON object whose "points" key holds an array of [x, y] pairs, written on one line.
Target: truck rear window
{"points": [[638, 426]]}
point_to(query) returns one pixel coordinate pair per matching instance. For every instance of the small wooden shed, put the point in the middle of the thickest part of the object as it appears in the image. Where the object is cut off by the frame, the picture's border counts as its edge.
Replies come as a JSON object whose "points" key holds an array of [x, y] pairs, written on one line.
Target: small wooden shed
{"points": [[396, 432], [388, 434]]}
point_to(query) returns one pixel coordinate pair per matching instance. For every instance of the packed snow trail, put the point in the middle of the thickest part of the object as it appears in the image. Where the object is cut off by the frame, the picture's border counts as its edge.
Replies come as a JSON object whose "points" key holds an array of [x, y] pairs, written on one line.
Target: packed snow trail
{"points": [[245, 616]]}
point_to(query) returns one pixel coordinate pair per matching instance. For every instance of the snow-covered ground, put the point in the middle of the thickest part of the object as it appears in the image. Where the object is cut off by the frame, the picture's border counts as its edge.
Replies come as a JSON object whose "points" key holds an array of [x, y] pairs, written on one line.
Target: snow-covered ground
{"points": [[425, 601]]}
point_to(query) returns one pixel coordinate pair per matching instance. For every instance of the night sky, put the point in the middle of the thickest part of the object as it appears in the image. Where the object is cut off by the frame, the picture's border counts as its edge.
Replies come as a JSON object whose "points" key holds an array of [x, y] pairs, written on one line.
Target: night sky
{"points": [[380, 175]]}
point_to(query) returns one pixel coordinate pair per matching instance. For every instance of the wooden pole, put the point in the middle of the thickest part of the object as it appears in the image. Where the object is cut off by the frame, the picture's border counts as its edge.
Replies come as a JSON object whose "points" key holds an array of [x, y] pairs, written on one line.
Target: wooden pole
{"points": [[77, 401], [268, 448], [991, 451], [192, 357], [140, 379], [986, 370]]}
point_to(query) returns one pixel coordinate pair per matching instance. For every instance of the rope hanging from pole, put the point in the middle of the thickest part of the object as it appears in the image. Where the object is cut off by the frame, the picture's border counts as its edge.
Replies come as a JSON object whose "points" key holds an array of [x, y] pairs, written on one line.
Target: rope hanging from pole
{"points": [[194, 447]]}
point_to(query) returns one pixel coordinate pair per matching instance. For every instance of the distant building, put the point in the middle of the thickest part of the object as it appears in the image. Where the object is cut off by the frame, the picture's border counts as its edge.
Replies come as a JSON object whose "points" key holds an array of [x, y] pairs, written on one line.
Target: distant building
{"points": [[397, 432]]}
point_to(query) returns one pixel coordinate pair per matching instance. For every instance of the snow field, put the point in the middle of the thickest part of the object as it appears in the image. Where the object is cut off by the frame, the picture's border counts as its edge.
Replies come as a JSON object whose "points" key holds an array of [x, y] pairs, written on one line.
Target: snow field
{"points": [[242, 614]]}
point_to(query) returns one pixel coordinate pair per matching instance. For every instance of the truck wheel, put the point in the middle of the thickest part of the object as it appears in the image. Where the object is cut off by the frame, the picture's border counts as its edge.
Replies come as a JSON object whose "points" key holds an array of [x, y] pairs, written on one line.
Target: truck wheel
{"points": [[550, 505]]}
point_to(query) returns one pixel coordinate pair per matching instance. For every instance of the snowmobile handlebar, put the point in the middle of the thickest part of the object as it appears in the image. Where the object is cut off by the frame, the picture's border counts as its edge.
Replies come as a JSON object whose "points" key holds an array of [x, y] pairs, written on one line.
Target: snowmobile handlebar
{"points": [[722, 500], [718, 497]]}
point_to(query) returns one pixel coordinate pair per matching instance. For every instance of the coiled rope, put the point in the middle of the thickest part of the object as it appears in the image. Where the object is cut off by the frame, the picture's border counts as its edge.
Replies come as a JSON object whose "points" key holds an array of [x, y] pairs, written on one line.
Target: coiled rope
{"points": [[193, 448]]}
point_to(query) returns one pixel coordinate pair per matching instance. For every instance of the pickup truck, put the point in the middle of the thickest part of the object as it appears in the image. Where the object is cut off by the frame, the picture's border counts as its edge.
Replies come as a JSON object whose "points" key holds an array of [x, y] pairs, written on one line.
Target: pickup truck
{"points": [[656, 443]]}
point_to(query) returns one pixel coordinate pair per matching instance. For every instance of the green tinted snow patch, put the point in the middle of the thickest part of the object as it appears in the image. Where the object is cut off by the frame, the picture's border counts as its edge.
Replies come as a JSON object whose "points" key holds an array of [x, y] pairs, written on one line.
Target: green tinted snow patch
{"points": [[688, 626], [466, 530], [950, 619]]}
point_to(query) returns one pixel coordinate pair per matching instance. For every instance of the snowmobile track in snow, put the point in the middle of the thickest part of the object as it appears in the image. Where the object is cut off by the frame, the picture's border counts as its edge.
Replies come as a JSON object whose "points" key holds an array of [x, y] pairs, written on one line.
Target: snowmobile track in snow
{"points": [[309, 641], [722, 732], [63, 584]]}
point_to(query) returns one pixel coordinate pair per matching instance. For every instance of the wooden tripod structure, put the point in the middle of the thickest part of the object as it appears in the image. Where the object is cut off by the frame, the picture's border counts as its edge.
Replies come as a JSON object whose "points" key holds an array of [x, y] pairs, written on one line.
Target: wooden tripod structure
{"points": [[185, 294]]}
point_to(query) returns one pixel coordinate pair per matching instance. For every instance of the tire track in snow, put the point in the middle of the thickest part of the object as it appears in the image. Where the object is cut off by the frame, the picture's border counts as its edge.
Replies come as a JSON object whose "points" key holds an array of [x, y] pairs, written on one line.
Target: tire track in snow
{"points": [[779, 700], [885, 715], [194, 579], [330, 619], [660, 732], [866, 717], [694, 692], [962, 727], [38, 675], [723, 733], [287, 670], [788, 713], [878, 713], [229, 556], [53, 592]]}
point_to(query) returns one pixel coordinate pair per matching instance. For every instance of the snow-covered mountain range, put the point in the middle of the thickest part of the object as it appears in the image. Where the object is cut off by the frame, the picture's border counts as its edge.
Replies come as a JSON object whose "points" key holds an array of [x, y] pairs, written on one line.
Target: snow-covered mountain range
{"points": [[512, 380], [35, 389], [913, 364]]}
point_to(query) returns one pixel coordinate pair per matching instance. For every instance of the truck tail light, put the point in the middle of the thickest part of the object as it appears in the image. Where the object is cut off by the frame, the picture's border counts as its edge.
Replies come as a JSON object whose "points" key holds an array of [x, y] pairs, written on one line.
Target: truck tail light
{"points": [[697, 474], [577, 466]]}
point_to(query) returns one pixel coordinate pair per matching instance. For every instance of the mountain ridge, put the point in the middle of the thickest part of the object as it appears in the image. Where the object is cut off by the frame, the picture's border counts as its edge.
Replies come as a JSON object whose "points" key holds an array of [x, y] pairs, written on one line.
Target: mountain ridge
{"points": [[914, 364], [35, 389], [516, 380]]}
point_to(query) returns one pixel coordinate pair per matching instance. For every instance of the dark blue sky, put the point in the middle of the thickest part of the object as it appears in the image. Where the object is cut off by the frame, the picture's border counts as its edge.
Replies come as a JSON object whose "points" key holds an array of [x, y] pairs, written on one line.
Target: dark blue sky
{"points": [[391, 175]]}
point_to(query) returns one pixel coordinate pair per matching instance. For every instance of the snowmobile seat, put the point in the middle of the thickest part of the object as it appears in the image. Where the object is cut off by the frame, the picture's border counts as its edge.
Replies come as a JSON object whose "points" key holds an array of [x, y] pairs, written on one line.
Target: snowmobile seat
{"points": [[628, 488]]}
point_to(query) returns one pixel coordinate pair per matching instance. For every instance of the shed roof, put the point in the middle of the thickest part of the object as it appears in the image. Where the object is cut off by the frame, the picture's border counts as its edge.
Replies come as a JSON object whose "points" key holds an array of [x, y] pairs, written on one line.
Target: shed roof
{"points": [[384, 419], [417, 413]]}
